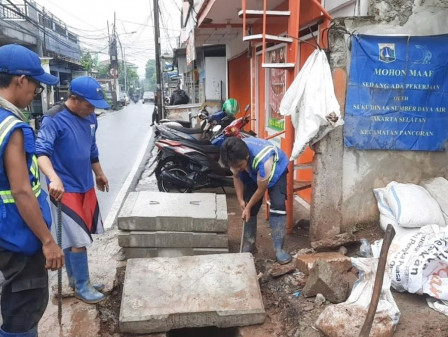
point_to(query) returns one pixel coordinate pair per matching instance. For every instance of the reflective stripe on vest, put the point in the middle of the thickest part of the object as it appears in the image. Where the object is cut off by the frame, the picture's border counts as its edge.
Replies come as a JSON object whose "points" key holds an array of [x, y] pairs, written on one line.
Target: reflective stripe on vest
{"points": [[262, 154], [6, 196]]}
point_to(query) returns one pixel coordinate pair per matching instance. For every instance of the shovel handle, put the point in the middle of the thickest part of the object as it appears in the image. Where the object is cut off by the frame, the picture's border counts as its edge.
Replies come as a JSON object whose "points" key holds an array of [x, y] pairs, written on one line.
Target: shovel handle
{"points": [[242, 236]]}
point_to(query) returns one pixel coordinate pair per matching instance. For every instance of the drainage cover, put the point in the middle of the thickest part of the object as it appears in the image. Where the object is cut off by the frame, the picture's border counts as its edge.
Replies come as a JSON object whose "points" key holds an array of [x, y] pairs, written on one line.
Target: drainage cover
{"points": [[162, 294]]}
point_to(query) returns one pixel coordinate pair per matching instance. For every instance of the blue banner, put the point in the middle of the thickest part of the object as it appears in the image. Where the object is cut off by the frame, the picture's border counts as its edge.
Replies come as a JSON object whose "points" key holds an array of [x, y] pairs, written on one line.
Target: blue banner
{"points": [[397, 95]]}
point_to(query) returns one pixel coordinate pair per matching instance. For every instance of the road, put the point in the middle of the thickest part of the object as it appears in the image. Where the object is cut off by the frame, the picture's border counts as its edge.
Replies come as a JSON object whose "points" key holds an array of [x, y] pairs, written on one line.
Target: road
{"points": [[121, 138]]}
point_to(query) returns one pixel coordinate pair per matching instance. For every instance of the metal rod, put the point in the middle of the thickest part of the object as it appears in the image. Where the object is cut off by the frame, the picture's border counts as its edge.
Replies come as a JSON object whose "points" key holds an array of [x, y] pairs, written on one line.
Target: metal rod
{"points": [[390, 233], [275, 134], [323, 10], [59, 239]]}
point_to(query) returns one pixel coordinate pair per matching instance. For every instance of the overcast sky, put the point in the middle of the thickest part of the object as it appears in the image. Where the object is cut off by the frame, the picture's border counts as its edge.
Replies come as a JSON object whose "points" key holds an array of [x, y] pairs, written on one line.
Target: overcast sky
{"points": [[134, 20]]}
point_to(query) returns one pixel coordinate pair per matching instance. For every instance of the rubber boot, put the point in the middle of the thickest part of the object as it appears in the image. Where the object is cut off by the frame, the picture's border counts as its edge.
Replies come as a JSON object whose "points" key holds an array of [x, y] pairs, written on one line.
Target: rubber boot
{"points": [[30, 333], [278, 226], [80, 269], [71, 279], [250, 235]]}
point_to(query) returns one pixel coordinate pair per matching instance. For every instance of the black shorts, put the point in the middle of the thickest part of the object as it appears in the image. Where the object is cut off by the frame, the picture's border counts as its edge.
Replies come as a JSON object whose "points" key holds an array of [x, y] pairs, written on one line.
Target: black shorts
{"points": [[25, 291]]}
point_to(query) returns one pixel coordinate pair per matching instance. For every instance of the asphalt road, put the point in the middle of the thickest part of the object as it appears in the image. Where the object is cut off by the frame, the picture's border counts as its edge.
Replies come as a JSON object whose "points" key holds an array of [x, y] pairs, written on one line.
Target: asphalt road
{"points": [[120, 138]]}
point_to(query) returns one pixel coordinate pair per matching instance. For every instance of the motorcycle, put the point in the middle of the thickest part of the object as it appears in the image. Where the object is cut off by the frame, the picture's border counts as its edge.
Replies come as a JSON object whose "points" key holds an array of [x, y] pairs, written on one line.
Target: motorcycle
{"points": [[185, 165], [179, 130]]}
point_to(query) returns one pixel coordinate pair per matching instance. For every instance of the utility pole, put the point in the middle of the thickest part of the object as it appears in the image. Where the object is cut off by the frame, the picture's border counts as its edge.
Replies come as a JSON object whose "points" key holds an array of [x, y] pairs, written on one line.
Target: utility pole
{"points": [[113, 61], [157, 48]]}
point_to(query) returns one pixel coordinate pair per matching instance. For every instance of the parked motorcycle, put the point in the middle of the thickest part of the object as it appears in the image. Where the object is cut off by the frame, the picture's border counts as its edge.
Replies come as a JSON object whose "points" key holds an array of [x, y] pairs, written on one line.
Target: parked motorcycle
{"points": [[178, 130], [185, 165]]}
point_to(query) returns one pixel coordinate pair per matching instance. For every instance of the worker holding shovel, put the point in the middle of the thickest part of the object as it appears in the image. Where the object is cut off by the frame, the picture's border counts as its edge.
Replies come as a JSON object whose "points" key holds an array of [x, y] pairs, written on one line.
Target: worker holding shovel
{"points": [[257, 166]]}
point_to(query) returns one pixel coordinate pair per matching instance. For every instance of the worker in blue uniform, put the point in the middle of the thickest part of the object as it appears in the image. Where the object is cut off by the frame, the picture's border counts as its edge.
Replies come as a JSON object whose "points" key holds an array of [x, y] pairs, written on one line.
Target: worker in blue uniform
{"points": [[67, 154], [258, 165], [27, 248]]}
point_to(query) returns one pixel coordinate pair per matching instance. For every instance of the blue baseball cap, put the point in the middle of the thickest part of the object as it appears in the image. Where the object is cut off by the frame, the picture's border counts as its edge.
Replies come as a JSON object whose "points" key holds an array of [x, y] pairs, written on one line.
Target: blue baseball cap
{"points": [[18, 60], [89, 89]]}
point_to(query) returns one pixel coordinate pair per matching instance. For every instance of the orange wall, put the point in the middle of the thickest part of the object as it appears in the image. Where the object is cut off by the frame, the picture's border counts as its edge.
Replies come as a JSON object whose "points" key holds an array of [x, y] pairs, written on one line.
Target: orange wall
{"points": [[275, 26], [239, 80]]}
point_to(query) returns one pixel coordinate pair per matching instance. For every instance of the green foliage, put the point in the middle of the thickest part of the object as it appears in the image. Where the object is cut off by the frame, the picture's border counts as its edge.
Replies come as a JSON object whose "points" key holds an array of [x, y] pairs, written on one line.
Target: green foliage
{"points": [[88, 62], [151, 77], [103, 71]]}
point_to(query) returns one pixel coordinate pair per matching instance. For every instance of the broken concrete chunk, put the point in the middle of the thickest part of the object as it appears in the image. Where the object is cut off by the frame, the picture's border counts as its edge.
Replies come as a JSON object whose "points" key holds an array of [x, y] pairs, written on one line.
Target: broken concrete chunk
{"points": [[304, 263], [333, 280], [333, 243]]}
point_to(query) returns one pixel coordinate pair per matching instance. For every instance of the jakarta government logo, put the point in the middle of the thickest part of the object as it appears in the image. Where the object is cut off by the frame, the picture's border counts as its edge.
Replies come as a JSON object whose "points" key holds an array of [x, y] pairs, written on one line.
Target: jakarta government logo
{"points": [[387, 52]]}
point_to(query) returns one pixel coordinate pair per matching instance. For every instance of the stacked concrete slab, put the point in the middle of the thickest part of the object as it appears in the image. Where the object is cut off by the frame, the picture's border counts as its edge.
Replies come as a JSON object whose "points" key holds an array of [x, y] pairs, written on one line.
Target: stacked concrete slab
{"points": [[161, 294], [154, 224]]}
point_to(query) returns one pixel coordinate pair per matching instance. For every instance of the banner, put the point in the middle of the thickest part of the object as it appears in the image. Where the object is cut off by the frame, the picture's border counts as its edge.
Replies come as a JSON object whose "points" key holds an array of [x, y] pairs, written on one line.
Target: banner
{"points": [[397, 95]]}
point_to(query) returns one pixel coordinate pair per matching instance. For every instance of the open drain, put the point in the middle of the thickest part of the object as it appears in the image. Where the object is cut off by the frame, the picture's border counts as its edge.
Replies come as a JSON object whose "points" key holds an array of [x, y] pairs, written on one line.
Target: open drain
{"points": [[204, 332]]}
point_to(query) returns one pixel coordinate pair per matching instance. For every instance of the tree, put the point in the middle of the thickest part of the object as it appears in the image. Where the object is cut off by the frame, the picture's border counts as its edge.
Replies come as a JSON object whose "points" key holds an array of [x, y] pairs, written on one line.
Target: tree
{"points": [[103, 70], [150, 78], [88, 62]]}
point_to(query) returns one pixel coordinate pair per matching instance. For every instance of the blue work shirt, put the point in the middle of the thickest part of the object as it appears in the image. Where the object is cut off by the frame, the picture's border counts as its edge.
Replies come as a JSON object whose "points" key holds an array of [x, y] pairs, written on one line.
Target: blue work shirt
{"points": [[69, 141]]}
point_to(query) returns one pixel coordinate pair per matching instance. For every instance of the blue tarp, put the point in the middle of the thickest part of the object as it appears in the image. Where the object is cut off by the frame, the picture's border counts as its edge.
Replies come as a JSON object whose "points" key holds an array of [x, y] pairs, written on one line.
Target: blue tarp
{"points": [[397, 95]]}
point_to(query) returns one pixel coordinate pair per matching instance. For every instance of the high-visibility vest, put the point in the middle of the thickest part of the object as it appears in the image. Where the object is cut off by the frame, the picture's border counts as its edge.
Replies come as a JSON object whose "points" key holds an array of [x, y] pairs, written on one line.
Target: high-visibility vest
{"points": [[260, 151], [15, 235]]}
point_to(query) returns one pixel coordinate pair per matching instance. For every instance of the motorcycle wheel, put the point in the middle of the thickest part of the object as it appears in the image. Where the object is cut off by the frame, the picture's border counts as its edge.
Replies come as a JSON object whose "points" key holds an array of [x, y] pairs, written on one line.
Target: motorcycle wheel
{"points": [[165, 186], [173, 166]]}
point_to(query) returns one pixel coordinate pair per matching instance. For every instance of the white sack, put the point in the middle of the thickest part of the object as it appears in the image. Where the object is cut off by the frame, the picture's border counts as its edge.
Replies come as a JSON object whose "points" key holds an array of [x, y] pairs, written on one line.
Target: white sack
{"points": [[412, 205], [311, 103], [387, 216], [438, 188], [420, 264]]}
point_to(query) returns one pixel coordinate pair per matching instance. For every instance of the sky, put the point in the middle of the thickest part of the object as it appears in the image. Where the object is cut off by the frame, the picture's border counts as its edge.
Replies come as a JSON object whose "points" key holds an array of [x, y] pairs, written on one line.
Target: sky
{"points": [[134, 24]]}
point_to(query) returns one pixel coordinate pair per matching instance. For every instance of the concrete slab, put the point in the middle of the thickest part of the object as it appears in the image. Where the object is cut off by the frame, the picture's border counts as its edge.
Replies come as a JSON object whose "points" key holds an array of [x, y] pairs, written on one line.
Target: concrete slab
{"points": [[172, 240], [187, 212], [162, 294], [132, 253]]}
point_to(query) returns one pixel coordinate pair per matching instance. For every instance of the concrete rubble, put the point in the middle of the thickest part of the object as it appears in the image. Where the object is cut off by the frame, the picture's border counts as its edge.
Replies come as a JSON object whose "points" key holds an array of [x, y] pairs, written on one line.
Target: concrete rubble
{"points": [[161, 294], [173, 224], [334, 280], [305, 263]]}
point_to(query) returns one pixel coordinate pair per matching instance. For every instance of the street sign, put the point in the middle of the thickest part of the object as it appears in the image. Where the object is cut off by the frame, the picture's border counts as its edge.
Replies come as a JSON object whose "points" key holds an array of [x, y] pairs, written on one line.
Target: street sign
{"points": [[113, 72]]}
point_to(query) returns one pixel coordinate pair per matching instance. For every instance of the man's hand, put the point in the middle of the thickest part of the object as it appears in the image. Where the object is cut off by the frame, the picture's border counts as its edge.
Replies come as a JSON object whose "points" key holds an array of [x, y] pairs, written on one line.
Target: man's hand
{"points": [[54, 255], [242, 204], [56, 189], [102, 183], [246, 214]]}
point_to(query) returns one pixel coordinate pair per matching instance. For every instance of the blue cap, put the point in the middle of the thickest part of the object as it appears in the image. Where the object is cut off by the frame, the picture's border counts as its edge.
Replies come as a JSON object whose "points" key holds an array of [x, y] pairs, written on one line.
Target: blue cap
{"points": [[18, 60], [89, 89]]}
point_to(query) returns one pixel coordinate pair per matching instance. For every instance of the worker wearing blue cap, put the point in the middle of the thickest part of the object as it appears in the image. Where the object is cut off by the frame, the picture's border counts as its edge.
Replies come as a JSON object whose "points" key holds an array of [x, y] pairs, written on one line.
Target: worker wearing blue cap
{"points": [[67, 155], [27, 248]]}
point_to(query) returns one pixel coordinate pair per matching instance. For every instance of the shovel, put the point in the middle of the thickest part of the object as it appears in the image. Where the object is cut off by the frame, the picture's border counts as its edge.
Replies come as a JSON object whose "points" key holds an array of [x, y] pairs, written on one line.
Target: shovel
{"points": [[242, 236]]}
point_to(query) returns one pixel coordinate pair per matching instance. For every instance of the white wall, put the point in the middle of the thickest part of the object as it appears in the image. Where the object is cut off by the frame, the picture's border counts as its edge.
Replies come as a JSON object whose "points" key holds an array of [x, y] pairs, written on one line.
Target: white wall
{"points": [[215, 80]]}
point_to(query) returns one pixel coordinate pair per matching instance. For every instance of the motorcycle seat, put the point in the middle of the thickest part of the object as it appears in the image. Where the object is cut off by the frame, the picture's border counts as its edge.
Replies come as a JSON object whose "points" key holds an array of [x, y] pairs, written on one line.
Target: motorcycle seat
{"points": [[205, 147], [186, 130]]}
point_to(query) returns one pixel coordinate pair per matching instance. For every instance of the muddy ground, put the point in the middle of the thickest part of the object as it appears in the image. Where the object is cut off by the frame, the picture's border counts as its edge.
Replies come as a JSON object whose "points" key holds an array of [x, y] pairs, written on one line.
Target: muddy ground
{"points": [[287, 315]]}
